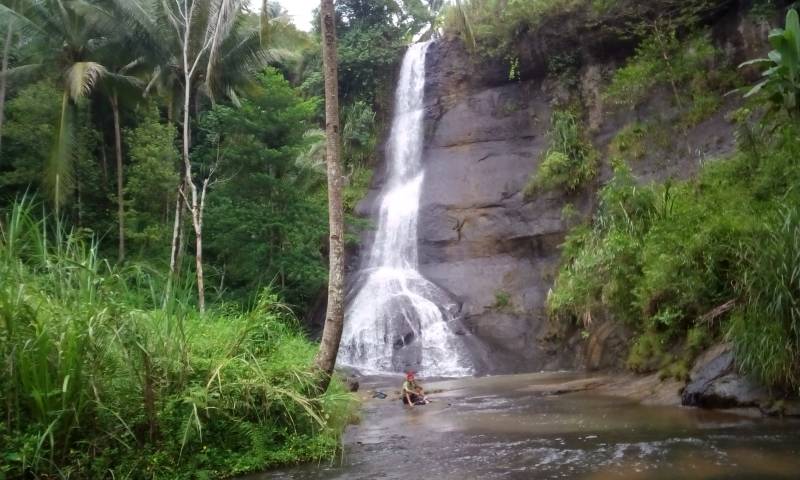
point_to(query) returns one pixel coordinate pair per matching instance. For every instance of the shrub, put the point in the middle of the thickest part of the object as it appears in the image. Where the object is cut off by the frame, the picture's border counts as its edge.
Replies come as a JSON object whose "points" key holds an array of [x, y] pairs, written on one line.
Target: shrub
{"points": [[630, 143], [571, 160]]}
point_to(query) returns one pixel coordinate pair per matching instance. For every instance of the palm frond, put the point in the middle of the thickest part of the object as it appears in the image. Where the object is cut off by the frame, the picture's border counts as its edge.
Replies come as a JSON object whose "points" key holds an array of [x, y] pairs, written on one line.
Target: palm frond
{"points": [[82, 77], [223, 17]]}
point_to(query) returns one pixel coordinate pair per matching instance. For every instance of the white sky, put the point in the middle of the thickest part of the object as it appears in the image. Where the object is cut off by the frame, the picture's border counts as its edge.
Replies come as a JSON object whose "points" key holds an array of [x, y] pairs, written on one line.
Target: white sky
{"points": [[300, 10]]}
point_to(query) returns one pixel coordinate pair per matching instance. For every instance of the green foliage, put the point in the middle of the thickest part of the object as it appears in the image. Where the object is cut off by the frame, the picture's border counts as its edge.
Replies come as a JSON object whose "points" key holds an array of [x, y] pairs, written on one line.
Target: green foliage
{"points": [[564, 68], [98, 379], [763, 9], [28, 134], [662, 58], [265, 219], [502, 300], [371, 37], [571, 160], [766, 330], [781, 79], [494, 27], [661, 258], [647, 353], [356, 189], [359, 134], [630, 143], [151, 184]]}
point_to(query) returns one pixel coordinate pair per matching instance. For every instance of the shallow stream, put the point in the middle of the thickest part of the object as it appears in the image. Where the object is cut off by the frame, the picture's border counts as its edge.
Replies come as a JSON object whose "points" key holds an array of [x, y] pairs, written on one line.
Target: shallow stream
{"points": [[514, 427]]}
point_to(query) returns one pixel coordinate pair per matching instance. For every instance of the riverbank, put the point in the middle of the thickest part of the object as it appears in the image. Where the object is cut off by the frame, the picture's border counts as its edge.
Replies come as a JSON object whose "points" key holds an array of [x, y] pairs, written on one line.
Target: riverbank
{"points": [[554, 425]]}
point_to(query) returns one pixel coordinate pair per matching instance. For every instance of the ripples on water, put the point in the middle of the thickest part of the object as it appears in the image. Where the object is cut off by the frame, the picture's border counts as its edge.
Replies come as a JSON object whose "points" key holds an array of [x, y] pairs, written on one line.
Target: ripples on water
{"points": [[497, 429]]}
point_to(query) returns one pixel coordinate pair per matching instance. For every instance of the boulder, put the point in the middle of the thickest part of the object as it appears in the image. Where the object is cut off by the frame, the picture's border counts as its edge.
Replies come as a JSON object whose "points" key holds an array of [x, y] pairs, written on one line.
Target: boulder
{"points": [[714, 382], [352, 384]]}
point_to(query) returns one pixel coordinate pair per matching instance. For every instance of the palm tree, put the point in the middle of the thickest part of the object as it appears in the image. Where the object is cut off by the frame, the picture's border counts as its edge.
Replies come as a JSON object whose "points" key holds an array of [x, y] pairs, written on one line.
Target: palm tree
{"points": [[334, 318], [64, 35]]}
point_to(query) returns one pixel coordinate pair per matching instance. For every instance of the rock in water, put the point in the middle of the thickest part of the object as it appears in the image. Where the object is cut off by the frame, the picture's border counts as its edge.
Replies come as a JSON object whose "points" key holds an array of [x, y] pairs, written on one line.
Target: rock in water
{"points": [[352, 384], [715, 383]]}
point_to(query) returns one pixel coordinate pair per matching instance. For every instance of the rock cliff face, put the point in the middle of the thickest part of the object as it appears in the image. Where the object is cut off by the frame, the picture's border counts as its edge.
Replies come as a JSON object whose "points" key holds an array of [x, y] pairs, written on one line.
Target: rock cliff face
{"points": [[481, 239]]}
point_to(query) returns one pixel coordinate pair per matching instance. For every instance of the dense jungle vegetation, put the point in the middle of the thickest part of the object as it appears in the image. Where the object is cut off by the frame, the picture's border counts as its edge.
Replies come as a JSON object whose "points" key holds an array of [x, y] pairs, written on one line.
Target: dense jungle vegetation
{"points": [[163, 215], [164, 226]]}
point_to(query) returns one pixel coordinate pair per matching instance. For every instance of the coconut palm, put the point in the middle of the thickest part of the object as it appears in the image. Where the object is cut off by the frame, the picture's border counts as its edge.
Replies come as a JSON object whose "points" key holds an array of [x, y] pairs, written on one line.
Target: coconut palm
{"points": [[64, 37]]}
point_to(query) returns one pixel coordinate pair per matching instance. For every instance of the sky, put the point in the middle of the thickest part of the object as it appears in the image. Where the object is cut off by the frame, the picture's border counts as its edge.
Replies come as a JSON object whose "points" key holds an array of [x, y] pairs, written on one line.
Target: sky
{"points": [[300, 10]]}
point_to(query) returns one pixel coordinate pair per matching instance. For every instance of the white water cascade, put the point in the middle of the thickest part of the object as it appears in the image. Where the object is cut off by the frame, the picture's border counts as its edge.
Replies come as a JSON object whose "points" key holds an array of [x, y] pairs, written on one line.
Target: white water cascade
{"points": [[397, 319]]}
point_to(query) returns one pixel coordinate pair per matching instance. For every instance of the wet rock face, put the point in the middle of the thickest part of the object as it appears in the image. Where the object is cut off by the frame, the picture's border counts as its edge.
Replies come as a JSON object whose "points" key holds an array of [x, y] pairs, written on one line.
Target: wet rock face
{"points": [[480, 239], [715, 383]]}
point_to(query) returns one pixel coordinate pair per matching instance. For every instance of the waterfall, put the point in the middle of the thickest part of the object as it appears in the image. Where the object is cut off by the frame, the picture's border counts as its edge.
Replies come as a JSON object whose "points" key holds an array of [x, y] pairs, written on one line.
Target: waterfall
{"points": [[398, 320]]}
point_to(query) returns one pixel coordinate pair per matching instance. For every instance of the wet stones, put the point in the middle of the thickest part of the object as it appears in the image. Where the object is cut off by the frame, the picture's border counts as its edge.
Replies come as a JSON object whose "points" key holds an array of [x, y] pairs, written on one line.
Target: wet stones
{"points": [[715, 383]]}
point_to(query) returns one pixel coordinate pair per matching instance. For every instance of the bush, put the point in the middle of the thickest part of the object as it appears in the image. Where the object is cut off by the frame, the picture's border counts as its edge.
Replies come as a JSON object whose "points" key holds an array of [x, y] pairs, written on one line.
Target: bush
{"points": [[570, 162], [102, 376]]}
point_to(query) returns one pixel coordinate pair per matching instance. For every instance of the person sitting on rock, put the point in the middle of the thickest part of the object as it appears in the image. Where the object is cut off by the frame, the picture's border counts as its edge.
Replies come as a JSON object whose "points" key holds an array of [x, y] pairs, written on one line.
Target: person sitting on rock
{"points": [[413, 394]]}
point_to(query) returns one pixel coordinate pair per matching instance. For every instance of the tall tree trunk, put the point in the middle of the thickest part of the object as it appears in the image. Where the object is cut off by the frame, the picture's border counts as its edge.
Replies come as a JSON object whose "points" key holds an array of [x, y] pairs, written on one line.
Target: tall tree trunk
{"points": [[114, 99], [3, 80], [177, 230], [334, 318], [188, 182]]}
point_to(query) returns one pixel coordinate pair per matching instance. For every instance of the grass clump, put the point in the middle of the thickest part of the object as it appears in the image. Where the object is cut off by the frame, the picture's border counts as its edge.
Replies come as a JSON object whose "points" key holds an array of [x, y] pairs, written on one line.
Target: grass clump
{"points": [[101, 376], [571, 160], [766, 329], [630, 143], [502, 300], [683, 263]]}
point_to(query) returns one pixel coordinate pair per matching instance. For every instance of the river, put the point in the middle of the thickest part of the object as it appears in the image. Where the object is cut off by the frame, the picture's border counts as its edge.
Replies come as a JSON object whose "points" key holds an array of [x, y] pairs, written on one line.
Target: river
{"points": [[516, 427]]}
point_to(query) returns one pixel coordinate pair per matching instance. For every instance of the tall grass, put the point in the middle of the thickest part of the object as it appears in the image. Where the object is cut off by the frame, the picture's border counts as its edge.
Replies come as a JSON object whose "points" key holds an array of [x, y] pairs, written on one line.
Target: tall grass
{"points": [[100, 377], [766, 331]]}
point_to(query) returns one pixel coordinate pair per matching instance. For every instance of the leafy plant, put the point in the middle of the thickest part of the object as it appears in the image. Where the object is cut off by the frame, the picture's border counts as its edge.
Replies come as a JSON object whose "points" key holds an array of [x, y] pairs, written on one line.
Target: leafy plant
{"points": [[502, 300], [571, 160], [630, 143], [781, 80]]}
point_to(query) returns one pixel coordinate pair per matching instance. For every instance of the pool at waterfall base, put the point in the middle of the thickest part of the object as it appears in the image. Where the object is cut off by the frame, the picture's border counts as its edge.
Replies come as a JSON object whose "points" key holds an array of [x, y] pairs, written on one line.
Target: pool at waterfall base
{"points": [[522, 427]]}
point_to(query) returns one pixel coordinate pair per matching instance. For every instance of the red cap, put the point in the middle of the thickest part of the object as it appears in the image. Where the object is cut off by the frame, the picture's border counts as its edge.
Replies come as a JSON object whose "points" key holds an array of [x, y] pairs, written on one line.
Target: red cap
{"points": [[409, 374]]}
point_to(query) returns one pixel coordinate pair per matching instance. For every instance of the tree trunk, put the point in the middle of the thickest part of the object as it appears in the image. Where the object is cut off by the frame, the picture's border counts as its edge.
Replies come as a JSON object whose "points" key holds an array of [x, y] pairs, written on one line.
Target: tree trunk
{"points": [[188, 182], [192, 201], [3, 80], [120, 178], [198, 259], [177, 246], [334, 318]]}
